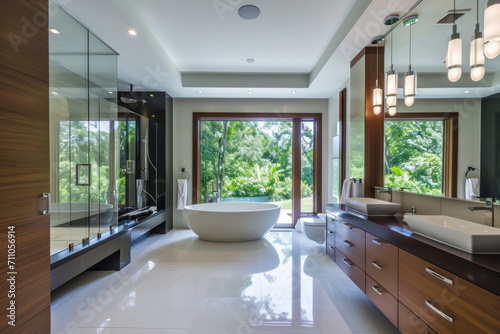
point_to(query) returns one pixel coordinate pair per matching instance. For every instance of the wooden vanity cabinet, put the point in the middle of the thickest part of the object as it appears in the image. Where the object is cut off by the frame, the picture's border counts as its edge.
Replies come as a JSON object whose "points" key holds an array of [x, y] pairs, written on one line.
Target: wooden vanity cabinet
{"points": [[382, 263], [445, 302], [330, 236], [350, 240], [385, 302], [409, 323], [353, 271]]}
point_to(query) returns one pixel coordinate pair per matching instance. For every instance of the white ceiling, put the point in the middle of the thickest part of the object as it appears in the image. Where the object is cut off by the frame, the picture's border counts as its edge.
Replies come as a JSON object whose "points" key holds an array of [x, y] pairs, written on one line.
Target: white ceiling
{"points": [[184, 46]]}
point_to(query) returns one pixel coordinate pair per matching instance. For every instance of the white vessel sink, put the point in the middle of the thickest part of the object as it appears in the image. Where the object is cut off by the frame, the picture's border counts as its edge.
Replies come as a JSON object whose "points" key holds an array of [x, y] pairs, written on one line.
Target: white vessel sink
{"points": [[372, 206], [458, 233]]}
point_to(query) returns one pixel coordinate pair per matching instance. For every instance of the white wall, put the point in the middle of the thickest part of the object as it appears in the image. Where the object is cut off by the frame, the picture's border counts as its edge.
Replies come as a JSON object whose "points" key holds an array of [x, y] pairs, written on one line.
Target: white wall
{"points": [[469, 130], [333, 118], [182, 132]]}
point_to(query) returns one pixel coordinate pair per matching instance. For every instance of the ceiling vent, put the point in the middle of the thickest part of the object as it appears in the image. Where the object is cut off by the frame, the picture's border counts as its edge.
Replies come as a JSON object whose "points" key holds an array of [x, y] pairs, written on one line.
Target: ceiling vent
{"points": [[452, 16]]}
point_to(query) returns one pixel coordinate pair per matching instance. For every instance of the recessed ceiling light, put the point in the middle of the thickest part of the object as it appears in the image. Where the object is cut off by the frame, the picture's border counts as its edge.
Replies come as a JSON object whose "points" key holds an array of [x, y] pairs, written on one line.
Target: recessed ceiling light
{"points": [[250, 60], [467, 92], [110, 92], [250, 92], [200, 92], [151, 95], [55, 93], [294, 92], [54, 31], [249, 12], [132, 32]]}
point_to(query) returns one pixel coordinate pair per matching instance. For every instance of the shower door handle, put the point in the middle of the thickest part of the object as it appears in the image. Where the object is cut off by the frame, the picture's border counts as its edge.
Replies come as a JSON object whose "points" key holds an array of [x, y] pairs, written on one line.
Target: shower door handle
{"points": [[78, 169]]}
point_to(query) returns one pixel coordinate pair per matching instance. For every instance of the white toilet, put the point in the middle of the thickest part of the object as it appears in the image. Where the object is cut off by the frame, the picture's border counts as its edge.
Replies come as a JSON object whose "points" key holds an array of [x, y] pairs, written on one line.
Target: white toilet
{"points": [[314, 228]]}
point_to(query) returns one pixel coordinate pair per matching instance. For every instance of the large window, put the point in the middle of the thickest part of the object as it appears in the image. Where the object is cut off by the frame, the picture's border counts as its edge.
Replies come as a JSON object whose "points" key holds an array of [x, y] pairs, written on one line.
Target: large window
{"points": [[259, 158], [420, 153]]}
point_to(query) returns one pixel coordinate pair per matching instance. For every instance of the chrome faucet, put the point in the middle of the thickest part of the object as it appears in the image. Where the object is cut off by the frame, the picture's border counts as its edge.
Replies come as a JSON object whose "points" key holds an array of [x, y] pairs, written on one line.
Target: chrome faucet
{"points": [[387, 190], [488, 205]]}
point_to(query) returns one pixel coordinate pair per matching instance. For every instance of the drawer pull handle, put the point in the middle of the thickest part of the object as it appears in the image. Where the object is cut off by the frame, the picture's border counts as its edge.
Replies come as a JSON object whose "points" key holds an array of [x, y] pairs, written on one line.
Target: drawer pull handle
{"points": [[447, 317], [347, 243], [330, 232], [347, 262], [376, 242], [377, 290], [347, 226], [331, 247], [376, 265], [441, 277]]}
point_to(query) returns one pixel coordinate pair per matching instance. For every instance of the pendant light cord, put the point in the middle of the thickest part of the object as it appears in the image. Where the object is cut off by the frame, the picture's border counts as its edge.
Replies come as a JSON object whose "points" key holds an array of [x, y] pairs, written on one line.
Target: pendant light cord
{"points": [[410, 43], [391, 47]]}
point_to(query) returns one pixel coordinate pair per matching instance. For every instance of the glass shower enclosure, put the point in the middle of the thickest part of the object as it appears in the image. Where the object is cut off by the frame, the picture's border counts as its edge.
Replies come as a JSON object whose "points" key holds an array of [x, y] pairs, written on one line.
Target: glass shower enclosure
{"points": [[84, 132]]}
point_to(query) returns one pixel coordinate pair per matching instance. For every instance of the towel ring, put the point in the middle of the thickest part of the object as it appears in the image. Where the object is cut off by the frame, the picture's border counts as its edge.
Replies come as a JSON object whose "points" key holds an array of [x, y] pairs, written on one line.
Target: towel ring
{"points": [[470, 169], [184, 171]]}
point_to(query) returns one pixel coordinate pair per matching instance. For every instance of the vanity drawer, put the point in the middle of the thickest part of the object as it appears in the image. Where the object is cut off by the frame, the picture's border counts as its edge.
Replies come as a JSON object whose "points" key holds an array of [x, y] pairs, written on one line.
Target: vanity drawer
{"points": [[350, 240], [330, 223], [409, 323], [350, 269], [382, 263], [385, 302], [330, 250], [444, 301]]}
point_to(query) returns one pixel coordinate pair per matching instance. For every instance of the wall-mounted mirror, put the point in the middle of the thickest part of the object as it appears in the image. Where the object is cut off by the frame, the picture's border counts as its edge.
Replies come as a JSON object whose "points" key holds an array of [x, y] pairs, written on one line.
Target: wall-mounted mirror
{"points": [[436, 94]]}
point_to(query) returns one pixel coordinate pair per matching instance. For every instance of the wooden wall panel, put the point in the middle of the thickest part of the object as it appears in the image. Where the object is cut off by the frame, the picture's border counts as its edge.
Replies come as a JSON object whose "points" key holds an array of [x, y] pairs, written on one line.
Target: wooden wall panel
{"points": [[24, 164], [374, 124]]}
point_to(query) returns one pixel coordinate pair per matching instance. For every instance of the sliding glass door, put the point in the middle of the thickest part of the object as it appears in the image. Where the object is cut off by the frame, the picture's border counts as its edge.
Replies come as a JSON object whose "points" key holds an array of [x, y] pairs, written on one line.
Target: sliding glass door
{"points": [[252, 159]]}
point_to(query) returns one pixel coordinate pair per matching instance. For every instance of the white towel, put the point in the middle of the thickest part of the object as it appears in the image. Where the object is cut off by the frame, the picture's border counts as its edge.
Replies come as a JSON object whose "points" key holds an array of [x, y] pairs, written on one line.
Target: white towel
{"points": [[181, 193], [346, 190], [472, 188]]}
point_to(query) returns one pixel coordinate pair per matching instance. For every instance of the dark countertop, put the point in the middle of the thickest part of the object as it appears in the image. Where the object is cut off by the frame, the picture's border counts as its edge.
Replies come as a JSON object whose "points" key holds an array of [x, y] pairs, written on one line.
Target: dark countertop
{"points": [[480, 269]]}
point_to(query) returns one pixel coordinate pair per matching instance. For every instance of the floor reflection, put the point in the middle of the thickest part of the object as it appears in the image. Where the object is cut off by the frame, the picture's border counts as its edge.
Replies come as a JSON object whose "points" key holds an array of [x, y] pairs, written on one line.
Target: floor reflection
{"points": [[177, 283]]}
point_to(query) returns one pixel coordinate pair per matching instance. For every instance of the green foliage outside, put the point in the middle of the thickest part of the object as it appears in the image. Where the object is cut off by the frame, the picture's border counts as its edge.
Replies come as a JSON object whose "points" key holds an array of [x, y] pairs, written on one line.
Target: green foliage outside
{"points": [[414, 156], [252, 159], [80, 143]]}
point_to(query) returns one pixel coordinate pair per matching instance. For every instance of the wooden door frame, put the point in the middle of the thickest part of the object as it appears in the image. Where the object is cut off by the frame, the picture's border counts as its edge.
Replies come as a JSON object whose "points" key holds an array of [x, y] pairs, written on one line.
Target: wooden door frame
{"points": [[296, 118]]}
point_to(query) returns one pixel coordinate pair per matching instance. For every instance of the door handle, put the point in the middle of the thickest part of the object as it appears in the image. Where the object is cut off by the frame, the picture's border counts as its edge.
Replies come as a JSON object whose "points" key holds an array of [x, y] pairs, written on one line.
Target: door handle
{"points": [[83, 183], [46, 212]]}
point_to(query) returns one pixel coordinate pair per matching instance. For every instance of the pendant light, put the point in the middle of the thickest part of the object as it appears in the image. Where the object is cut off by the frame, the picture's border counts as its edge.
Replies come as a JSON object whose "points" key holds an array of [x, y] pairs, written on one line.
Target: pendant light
{"points": [[410, 89], [454, 54], [378, 93], [492, 29], [476, 52], [391, 86]]}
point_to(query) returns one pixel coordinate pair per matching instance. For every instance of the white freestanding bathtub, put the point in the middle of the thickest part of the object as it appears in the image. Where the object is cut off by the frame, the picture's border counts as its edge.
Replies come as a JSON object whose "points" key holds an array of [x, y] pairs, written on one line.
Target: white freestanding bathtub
{"points": [[231, 221]]}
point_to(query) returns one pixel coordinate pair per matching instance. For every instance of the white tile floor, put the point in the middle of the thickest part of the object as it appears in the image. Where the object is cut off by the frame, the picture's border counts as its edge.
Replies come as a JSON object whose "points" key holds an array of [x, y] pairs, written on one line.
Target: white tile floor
{"points": [[178, 284]]}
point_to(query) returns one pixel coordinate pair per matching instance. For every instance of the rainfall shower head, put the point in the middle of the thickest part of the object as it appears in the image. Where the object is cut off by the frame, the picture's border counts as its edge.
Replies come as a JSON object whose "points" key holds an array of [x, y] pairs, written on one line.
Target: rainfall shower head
{"points": [[129, 100]]}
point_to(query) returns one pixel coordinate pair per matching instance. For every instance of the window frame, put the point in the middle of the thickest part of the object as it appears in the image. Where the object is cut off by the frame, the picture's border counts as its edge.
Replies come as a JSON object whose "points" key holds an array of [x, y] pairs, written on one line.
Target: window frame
{"points": [[450, 143], [296, 118]]}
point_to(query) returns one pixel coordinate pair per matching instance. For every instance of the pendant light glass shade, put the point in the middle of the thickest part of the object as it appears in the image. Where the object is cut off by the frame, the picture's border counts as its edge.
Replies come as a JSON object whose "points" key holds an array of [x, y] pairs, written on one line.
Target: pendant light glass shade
{"points": [[477, 59], [392, 111], [454, 57], [492, 49], [410, 88], [492, 29], [391, 88], [378, 99]]}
